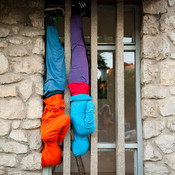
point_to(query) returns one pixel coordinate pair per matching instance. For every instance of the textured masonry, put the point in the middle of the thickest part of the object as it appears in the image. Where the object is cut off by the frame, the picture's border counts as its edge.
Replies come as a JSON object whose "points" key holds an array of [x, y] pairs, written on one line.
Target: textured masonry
{"points": [[21, 86], [158, 86]]}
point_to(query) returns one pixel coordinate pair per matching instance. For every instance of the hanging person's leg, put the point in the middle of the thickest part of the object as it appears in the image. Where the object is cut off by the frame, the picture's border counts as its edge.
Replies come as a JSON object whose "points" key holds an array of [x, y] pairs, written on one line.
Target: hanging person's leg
{"points": [[55, 63], [82, 107], [54, 122]]}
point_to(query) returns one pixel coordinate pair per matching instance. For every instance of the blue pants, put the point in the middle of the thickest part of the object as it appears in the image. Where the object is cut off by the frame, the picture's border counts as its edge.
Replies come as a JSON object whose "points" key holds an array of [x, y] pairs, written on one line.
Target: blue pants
{"points": [[55, 64]]}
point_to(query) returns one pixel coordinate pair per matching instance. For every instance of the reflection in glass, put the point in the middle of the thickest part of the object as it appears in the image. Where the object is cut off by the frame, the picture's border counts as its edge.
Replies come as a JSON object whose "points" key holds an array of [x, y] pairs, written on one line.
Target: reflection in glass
{"points": [[129, 23], [130, 94], [106, 163], [129, 162], [74, 167], [106, 24], [106, 122]]}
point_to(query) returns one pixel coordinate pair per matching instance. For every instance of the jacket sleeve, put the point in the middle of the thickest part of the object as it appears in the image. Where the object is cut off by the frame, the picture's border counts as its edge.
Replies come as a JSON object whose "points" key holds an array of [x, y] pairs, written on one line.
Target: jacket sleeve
{"points": [[89, 116]]}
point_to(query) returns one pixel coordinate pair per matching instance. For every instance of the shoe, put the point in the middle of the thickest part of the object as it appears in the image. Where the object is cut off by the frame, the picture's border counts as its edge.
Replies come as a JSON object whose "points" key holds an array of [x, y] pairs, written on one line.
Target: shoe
{"points": [[54, 12], [81, 7]]}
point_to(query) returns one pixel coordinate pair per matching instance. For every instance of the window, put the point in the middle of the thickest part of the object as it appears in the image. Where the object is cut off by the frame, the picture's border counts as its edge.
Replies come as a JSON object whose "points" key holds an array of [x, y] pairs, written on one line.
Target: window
{"points": [[103, 142]]}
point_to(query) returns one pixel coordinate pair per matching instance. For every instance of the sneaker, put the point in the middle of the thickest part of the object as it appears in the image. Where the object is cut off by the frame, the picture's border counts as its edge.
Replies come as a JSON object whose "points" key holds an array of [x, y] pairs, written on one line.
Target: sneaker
{"points": [[54, 12], [81, 7]]}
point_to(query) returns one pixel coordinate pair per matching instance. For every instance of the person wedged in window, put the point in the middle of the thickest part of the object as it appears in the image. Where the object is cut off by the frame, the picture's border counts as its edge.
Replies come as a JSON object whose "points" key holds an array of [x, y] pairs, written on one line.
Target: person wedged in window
{"points": [[55, 123], [82, 107]]}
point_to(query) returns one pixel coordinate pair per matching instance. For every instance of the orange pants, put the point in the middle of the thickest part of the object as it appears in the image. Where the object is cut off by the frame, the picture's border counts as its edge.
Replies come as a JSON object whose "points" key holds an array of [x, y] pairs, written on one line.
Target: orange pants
{"points": [[55, 125]]}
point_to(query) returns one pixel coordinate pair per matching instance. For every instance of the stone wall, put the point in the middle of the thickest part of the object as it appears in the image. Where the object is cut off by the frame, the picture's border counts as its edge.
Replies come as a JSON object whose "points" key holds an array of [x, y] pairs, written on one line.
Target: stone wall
{"points": [[158, 86], [21, 86]]}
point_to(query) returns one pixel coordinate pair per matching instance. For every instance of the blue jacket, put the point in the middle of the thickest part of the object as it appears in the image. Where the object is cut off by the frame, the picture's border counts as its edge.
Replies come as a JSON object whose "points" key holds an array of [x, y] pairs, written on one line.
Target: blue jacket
{"points": [[82, 119]]}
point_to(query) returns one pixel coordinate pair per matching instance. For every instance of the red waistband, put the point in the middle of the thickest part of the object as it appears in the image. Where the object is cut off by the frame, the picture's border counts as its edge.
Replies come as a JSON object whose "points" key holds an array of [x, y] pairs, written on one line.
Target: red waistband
{"points": [[79, 88]]}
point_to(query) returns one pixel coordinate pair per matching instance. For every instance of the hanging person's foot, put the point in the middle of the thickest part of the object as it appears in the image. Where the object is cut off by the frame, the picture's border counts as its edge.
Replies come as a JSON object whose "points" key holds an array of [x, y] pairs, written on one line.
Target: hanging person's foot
{"points": [[52, 14], [81, 7]]}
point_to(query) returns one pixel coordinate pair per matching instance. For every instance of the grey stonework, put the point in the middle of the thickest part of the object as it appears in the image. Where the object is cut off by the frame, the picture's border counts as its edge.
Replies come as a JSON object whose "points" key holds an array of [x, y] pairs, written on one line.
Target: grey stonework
{"points": [[158, 86], [22, 52]]}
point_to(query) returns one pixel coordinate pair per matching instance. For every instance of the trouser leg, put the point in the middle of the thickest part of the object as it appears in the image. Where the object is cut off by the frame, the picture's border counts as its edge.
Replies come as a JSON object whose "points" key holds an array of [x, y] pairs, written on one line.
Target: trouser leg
{"points": [[79, 66], [55, 63]]}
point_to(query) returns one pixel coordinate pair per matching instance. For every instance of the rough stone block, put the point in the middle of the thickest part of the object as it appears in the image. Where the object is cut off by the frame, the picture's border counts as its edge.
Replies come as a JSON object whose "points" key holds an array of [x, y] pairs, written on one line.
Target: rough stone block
{"points": [[16, 124], [31, 162], [4, 31], [10, 78], [39, 46], [17, 51], [149, 71], [25, 89], [36, 3], [13, 147], [30, 65], [154, 91], [12, 16], [4, 127], [167, 24], [171, 124], [2, 171], [11, 109], [155, 7], [172, 56], [4, 66], [170, 160], [24, 173], [167, 73], [150, 25], [37, 19], [3, 44], [31, 124], [20, 40], [8, 160], [35, 108], [150, 153], [15, 29], [171, 2], [31, 32], [151, 168], [35, 142], [166, 143], [39, 84], [152, 128], [171, 35], [149, 109], [18, 135], [155, 47], [7, 91], [167, 107]]}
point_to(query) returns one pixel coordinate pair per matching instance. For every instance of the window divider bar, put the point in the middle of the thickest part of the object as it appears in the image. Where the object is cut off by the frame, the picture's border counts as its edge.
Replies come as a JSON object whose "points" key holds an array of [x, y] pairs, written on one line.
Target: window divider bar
{"points": [[94, 91], [67, 48], [138, 95], [119, 90]]}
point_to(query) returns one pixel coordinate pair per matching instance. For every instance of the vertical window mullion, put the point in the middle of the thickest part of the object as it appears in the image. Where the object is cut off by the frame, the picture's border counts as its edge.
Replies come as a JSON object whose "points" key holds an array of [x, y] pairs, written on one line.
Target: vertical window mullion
{"points": [[138, 97], [94, 137], [119, 90], [67, 48]]}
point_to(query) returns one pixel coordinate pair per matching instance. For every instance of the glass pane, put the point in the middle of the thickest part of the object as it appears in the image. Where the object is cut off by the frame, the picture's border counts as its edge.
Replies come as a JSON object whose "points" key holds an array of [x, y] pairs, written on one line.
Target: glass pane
{"points": [[129, 162], [106, 163], [106, 24], [85, 162], [74, 167], [87, 29], [129, 23], [130, 97], [106, 122]]}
